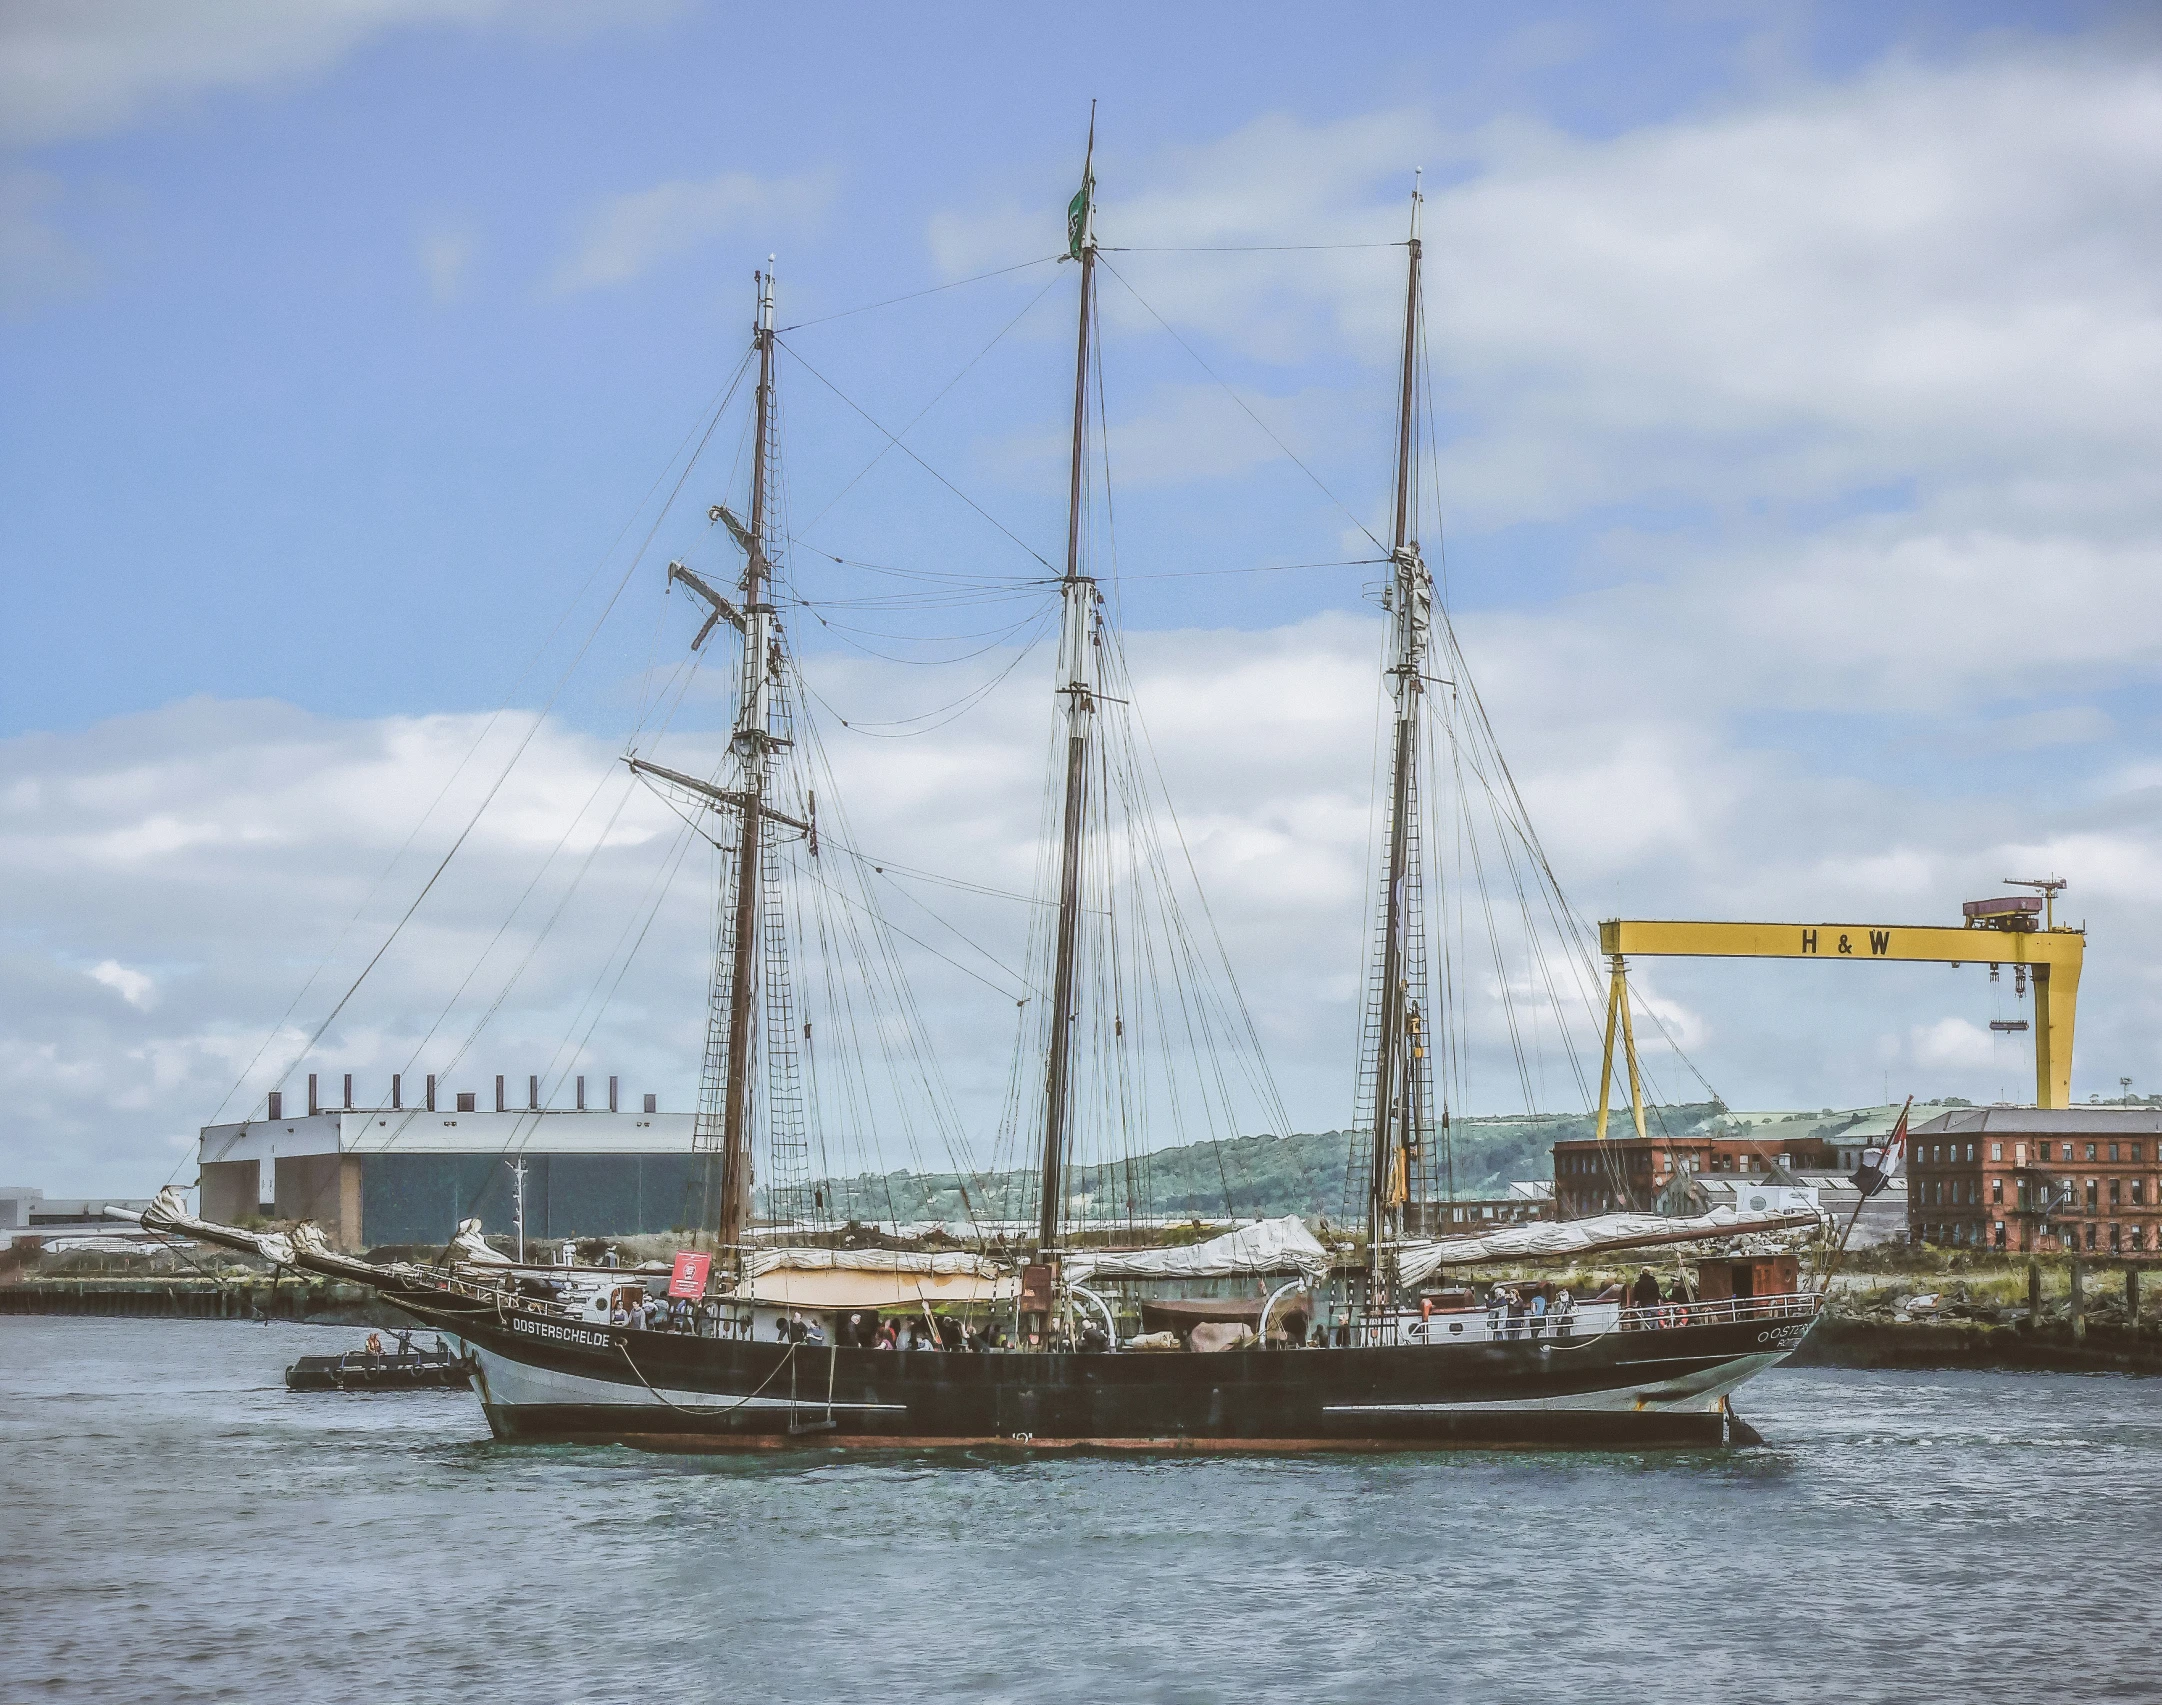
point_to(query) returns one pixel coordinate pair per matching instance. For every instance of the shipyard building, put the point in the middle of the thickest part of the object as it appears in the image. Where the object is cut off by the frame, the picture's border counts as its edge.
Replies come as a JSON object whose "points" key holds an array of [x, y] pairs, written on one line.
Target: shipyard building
{"points": [[2040, 1180], [407, 1174]]}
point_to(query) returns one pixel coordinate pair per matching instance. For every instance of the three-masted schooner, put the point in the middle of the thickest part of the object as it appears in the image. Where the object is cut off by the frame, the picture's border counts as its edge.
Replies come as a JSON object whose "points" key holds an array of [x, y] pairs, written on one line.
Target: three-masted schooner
{"points": [[557, 1355]]}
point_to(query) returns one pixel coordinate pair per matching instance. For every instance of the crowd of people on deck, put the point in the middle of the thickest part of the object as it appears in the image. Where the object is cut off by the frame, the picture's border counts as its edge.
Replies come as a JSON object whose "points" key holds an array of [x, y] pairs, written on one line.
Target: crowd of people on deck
{"points": [[1525, 1311]]}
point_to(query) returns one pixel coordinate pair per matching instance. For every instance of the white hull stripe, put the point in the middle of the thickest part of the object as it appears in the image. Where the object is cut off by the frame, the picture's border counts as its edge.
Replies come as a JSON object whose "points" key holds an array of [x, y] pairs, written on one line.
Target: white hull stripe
{"points": [[1696, 1393]]}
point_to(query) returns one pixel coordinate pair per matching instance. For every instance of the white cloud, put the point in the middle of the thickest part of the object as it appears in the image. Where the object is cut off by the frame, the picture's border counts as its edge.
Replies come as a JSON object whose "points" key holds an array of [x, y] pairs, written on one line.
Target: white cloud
{"points": [[1953, 1043], [137, 988], [629, 235], [70, 70], [233, 842]]}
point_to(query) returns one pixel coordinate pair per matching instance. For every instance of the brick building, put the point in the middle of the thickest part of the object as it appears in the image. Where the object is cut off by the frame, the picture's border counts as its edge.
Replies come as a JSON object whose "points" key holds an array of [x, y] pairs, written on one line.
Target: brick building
{"points": [[2033, 1180], [1630, 1173]]}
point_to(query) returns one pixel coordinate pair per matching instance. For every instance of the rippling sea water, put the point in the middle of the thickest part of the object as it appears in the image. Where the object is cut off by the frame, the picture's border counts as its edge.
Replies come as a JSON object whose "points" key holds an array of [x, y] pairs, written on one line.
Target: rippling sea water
{"points": [[178, 1527]]}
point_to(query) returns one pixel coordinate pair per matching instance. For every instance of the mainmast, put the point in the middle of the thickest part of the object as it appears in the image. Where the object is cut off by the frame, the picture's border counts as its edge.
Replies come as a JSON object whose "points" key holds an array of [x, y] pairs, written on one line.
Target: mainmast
{"points": [[1075, 690], [1400, 1061], [752, 745]]}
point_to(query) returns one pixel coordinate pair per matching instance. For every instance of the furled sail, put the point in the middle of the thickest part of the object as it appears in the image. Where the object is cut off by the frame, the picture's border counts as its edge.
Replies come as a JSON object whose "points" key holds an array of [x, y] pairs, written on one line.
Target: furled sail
{"points": [[1265, 1247], [1551, 1241]]}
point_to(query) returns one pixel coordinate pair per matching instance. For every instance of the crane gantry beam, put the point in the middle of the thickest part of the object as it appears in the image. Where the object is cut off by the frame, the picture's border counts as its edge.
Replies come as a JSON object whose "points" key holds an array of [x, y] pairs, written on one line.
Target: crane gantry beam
{"points": [[2052, 955]]}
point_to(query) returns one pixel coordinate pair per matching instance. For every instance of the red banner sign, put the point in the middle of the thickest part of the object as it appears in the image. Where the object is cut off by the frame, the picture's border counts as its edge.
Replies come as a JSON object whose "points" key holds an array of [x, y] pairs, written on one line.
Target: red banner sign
{"points": [[689, 1277]]}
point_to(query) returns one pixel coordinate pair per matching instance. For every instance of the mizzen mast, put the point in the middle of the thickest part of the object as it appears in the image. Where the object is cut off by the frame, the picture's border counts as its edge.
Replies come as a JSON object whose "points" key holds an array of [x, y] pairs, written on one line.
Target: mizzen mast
{"points": [[1076, 693], [1402, 1069]]}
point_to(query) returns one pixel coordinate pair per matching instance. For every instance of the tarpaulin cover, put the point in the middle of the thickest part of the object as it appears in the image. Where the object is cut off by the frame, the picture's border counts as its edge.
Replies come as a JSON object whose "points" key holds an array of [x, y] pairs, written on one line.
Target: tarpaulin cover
{"points": [[871, 1278], [1267, 1246], [1542, 1240]]}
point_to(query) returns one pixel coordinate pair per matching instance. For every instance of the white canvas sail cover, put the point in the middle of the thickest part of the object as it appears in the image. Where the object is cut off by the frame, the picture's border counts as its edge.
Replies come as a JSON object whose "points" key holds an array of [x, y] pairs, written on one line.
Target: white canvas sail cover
{"points": [[1546, 1240], [1265, 1247], [871, 1278]]}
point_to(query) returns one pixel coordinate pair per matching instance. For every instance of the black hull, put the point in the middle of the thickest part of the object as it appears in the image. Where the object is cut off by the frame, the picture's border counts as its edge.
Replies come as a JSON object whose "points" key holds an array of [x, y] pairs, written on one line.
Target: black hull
{"points": [[542, 1378]]}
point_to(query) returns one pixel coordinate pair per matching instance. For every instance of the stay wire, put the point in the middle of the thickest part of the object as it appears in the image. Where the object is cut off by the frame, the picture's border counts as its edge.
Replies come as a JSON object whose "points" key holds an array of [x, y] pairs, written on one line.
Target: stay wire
{"points": [[939, 396], [918, 460], [1248, 412], [913, 295]]}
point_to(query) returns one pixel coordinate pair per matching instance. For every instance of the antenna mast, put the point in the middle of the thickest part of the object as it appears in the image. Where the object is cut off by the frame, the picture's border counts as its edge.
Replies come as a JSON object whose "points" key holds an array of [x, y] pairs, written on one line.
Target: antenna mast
{"points": [[1076, 691]]}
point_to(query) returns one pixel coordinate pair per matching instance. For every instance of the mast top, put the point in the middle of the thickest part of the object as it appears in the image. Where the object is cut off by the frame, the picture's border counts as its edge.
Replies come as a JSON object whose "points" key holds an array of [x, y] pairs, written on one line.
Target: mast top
{"points": [[1081, 211]]}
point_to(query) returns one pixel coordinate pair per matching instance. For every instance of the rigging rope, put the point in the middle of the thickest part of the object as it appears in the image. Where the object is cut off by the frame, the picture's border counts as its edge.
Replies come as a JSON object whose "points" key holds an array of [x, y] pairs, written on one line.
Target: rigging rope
{"points": [[1248, 412], [933, 290], [912, 456]]}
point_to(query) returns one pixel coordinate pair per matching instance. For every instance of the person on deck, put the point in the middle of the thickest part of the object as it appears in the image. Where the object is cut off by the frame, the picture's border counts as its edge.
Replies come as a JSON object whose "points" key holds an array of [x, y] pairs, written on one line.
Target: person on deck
{"points": [[1538, 1314], [1564, 1312], [1644, 1297]]}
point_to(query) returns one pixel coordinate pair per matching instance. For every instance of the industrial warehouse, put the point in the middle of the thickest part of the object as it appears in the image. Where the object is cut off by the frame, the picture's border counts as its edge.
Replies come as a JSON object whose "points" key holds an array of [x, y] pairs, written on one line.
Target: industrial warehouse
{"points": [[393, 1174]]}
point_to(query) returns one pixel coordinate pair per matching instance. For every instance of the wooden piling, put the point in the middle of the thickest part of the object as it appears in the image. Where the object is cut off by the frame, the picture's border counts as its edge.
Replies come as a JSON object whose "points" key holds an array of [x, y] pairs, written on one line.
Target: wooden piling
{"points": [[2079, 1300]]}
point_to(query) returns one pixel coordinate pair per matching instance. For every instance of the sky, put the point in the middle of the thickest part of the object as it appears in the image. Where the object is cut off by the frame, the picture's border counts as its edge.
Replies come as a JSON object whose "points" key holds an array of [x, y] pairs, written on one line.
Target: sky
{"points": [[1795, 380]]}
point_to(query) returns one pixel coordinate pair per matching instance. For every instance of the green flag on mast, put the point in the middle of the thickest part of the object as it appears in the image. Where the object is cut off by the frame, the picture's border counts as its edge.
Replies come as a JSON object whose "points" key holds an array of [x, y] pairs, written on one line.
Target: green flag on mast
{"points": [[1077, 210], [1077, 218]]}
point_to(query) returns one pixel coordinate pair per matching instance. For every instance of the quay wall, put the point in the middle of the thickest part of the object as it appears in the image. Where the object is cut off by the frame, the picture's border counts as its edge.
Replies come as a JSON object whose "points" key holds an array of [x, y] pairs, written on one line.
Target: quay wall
{"points": [[198, 1299], [2053, 1347]]}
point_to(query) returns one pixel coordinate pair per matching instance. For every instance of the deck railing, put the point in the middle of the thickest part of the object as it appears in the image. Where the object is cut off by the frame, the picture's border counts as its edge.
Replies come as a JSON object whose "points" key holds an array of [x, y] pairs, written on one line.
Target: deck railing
{"points": [[1580, 1322]]}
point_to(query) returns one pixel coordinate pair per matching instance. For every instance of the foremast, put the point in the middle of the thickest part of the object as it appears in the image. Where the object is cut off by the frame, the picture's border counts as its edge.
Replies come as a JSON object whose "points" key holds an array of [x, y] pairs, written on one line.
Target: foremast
{"points": [[1075, 691], [1402, 1069], [752, 743], [725, 1109]]}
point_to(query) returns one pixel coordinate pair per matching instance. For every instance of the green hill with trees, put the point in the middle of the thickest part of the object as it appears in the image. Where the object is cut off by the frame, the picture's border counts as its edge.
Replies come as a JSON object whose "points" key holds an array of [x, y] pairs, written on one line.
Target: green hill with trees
{"points": [[1248, 1176]]}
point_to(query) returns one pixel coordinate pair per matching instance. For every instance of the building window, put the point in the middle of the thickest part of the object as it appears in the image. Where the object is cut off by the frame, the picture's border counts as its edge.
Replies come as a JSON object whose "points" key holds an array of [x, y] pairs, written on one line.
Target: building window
{"points": [[1996, 1192], [2090, 1151], [2090, 1237], [2000, 1234], [2135, 1154], [2093, 1195], [2116, 1192], [2019, 1154], [1996, 1151], [2113, 1151], [2067, 1151], [2139, 1191], [2116, 1240]]}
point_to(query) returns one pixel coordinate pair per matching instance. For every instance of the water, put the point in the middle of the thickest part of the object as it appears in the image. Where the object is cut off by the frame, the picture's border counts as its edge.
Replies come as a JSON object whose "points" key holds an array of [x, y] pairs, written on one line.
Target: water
{"points": [[178, 1527]]}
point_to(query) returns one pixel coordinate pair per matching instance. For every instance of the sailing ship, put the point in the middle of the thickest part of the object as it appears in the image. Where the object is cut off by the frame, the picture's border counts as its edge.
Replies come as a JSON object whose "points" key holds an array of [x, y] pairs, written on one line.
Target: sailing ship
{"points": [[772, 1353]]}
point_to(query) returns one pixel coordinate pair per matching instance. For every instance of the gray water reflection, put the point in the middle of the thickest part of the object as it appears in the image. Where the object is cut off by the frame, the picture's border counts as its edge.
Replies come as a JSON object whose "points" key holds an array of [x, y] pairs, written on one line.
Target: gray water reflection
{"points": [[181, 1528]]}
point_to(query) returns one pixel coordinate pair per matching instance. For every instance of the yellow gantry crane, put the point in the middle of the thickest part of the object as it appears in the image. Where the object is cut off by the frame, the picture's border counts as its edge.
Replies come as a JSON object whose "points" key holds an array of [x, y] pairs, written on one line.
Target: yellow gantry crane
{"points": [[2018, 930]]}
